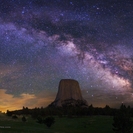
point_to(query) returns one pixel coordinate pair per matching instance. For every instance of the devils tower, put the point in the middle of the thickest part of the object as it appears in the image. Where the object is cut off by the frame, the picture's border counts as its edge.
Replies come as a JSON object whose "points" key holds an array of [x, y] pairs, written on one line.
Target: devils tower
{"points": [[69, 94]]}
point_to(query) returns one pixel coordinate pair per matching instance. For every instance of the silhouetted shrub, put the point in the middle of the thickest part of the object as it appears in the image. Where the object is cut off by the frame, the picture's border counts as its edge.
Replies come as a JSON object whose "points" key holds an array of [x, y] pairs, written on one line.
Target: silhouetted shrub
{"points": [[14, 117], [24, 119], [49, 121], [39, 120]]}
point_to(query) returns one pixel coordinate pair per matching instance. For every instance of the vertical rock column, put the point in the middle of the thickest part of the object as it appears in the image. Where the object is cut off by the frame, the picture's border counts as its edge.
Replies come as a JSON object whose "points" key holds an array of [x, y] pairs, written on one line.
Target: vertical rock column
{"points": [[68, 89], [69, 93]]}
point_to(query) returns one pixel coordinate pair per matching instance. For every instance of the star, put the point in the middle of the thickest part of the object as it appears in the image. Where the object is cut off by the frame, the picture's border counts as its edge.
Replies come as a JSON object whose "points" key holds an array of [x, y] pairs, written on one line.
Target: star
{"points": [[42, 42]]}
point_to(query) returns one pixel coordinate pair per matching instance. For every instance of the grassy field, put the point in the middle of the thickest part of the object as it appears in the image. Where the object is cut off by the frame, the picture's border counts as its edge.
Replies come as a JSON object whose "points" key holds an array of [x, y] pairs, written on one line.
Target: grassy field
{"points": [[90, 124]]}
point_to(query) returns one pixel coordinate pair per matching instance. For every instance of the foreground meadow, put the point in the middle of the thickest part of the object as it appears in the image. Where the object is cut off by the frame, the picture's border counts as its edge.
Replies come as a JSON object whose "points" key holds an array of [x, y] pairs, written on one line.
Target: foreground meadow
{"points": [[90, 124]]}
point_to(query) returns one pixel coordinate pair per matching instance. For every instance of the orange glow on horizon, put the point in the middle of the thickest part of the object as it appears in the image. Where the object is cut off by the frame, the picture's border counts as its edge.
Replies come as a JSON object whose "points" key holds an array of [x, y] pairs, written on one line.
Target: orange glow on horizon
{"points": [[9, 102]]}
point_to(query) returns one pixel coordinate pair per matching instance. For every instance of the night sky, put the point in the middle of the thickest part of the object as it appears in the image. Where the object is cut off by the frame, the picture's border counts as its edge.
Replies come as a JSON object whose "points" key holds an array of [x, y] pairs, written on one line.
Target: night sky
{"points": [[44, 41]]}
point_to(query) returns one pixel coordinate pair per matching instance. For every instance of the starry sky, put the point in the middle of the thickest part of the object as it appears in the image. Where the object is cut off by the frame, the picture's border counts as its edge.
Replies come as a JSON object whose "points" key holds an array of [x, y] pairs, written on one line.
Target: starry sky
{"points": [[44, 41]]}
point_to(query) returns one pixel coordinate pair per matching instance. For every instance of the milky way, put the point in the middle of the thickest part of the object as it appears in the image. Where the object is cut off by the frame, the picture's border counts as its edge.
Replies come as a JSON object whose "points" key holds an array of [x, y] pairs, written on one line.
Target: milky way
{"points": [[42, 42]]}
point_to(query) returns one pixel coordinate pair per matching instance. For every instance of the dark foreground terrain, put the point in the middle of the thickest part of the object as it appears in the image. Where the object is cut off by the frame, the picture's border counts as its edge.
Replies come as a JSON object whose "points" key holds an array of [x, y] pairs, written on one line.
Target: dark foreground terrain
{"points": [[90, 124]]}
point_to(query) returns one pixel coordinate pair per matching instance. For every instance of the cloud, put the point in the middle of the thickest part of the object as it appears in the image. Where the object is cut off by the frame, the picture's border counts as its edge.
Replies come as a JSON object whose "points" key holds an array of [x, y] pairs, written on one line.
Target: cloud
{"points": [[9, 102]]}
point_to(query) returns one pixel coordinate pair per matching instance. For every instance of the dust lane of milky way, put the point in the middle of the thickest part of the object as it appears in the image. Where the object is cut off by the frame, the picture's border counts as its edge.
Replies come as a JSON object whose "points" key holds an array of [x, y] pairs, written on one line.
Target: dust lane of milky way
{"points": [[44, 41]]}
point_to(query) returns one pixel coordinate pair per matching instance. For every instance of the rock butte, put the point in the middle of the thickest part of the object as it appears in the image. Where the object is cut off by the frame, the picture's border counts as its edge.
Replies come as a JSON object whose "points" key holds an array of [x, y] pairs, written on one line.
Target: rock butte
{"points": [[69, 94]]}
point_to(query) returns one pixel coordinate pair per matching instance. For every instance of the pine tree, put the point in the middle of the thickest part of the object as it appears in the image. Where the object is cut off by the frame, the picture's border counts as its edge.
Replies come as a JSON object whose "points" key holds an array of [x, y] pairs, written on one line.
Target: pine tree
{"points": [[122, 121]]}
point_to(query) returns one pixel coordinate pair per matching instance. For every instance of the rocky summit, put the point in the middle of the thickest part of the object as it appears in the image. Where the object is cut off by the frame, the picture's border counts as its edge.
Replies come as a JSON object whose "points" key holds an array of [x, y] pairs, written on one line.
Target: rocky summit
{"points": [[69, 94]]}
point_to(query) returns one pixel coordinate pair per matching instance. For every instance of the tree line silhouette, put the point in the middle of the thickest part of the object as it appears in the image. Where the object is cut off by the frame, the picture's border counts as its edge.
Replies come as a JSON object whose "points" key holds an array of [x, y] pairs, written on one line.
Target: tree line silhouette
{"points": [[122, 122], [68, 110]]}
